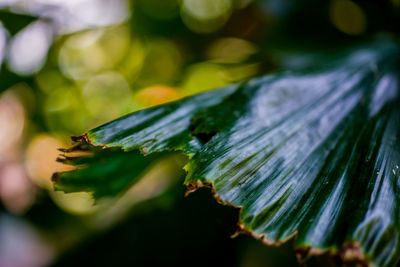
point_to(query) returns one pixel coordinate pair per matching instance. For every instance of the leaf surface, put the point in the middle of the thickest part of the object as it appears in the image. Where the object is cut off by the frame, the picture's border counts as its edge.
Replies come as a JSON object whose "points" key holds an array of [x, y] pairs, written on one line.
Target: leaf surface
{"points": [[313, 153]]}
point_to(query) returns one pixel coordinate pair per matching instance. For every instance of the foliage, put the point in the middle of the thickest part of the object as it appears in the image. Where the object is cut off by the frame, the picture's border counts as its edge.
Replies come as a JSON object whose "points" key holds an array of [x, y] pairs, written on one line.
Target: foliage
{"points": [[310, 153], [70, 66]]}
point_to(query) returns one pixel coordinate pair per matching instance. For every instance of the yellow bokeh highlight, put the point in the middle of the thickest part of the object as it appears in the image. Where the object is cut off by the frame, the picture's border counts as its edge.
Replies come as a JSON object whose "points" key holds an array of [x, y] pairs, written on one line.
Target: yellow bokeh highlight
{"points": [[80, 62], [207, 9], [40, 159], [107, 96], [64, 110], [162, 62], [80, 203], [89, 52], [156, 95], [133, 60], [230, 50], [48, 81], [348, 17], [204, 76], [244, 71]]}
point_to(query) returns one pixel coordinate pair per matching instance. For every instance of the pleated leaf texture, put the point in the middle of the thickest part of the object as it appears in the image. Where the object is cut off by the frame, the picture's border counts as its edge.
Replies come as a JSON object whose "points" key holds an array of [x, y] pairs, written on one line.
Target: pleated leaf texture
{"points": [[311, 154]]}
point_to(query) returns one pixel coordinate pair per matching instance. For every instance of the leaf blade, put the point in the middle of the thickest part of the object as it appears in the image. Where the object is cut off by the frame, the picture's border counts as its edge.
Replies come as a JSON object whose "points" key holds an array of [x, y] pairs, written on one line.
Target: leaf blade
{"points": [[308, 152]]}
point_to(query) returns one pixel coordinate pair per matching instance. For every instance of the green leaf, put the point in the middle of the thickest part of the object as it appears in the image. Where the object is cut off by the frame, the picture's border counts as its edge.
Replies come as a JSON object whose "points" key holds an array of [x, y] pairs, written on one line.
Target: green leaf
{"points": [[105, 172], [313, 153]]}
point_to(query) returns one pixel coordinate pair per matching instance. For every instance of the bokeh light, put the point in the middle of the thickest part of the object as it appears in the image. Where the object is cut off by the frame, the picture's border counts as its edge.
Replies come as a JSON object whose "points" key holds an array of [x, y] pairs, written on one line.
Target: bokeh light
{"points": [[3, 41], [348, 17], [156, 95], [64, 110], [73, 15], [204, 76], [162, 63], [133, 60], [81, 56], [39, 159], [207, 15], [98, 12], [49, 81], [230, 50], [80, 203], [28, 49], [12, 120], [16, 191], [87, 53], [107, 96], [18, 235]]}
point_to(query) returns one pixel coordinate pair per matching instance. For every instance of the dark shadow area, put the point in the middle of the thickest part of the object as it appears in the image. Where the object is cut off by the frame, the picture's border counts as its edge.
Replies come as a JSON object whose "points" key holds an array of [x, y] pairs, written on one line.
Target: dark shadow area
{"points": [[192, 231]]}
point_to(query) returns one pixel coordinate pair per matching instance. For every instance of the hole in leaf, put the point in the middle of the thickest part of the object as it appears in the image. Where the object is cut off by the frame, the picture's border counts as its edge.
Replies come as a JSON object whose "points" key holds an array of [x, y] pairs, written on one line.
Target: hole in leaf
{"points": [[204, 137]]}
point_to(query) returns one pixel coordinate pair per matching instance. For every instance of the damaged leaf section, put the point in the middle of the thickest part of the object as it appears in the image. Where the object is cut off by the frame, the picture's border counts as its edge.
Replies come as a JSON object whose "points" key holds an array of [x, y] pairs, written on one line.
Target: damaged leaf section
{"points": [[105, 172], [312, 153], [120, 151], [165, 127]]}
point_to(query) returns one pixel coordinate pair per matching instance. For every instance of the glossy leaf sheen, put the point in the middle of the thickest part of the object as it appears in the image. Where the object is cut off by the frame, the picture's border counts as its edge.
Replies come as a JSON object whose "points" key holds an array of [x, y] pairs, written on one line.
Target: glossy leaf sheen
{"points": [[315, 152]]}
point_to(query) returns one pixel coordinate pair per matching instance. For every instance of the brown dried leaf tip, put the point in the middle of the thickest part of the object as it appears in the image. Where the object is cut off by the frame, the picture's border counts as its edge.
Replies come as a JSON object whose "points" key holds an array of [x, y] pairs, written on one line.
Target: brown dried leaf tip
{"points": [[80, 139], [241, 229], [351, 255], [193, 186]]}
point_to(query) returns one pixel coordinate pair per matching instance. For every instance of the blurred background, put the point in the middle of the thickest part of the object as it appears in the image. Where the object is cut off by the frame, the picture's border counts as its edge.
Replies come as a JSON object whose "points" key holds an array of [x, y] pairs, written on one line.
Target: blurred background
{"points": [[69, 66]]}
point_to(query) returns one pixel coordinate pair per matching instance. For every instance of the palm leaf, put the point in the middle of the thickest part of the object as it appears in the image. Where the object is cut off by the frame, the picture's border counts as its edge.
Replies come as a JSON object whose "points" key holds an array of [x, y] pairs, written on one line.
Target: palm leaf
{"points": [[313, 153]]}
